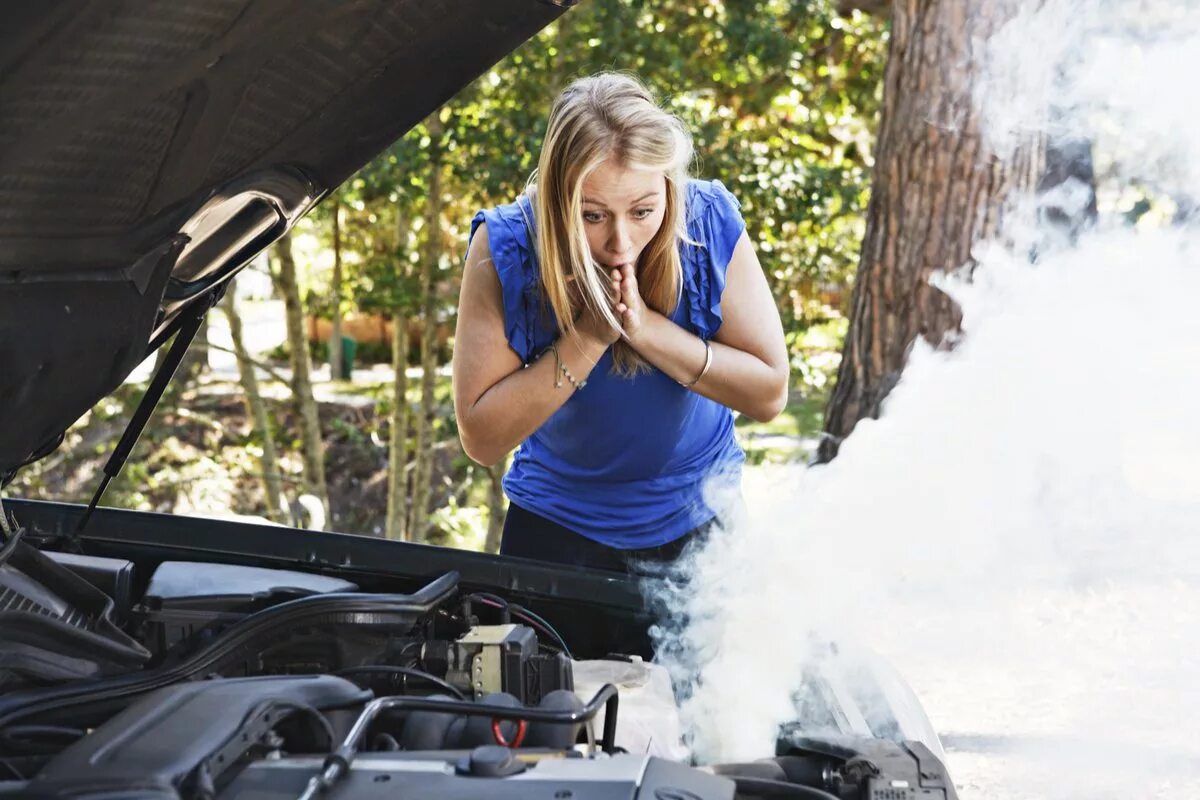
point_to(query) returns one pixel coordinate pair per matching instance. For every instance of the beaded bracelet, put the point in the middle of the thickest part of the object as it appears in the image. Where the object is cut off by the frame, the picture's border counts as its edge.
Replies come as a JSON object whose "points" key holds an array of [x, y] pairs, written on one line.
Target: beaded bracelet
{"points": [[562, 371]]}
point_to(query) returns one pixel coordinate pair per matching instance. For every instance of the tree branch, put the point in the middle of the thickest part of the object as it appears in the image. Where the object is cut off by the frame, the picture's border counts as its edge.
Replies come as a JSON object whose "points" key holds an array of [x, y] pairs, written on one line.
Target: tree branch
{"points": [[267, 368]]}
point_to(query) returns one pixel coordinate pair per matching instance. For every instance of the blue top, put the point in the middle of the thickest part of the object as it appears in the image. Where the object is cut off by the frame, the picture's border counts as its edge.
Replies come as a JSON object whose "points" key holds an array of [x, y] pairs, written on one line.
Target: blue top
{"points": [[623, 461]]}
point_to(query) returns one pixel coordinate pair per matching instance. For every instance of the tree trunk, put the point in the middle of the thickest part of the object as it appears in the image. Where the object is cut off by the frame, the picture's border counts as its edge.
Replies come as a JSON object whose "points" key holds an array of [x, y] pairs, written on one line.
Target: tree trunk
{"points": [[936, 190], [558, 71], [397, 499], [195, 360], [396, 526], [256, 410], [495, 509], [433, 252], [302, 391], [335, 336]]}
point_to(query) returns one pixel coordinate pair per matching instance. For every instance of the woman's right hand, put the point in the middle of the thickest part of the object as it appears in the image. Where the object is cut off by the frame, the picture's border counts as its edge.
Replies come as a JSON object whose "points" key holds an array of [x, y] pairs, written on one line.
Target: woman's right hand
{"points": [[593, 325]]}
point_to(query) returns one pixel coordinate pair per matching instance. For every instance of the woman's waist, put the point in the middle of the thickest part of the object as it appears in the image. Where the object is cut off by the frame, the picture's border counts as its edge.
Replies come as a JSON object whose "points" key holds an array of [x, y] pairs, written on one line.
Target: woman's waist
{"points": [[624, 458]]}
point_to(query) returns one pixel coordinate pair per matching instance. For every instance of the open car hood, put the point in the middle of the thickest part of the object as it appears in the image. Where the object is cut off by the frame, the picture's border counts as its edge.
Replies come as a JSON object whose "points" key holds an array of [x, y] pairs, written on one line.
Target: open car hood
{"points": [[150, 148]]}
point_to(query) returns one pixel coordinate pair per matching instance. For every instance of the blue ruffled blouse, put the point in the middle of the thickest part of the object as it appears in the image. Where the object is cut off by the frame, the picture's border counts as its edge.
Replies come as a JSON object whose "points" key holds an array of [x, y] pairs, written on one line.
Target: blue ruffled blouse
{"points": [[624, 460]]}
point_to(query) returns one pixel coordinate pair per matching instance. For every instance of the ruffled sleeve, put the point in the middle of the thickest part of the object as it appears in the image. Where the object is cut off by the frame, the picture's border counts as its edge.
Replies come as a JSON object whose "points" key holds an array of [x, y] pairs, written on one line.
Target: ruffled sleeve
{"points": [[715, 224], [509, 243]]}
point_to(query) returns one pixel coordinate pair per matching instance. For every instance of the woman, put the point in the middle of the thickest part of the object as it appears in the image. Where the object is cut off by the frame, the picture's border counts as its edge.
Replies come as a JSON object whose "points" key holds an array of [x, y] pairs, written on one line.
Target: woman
{"points": [[609, 321]]}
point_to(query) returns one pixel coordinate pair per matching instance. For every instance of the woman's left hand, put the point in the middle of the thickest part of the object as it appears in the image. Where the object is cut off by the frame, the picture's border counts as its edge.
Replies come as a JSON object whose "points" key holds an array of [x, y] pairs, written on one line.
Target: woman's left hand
{"points": [[630, 307]]}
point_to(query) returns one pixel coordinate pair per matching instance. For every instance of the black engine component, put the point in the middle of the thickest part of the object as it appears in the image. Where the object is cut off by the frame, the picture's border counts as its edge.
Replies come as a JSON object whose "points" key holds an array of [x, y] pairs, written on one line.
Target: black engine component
{"points": [[860, 766], [54, 625], [183, 739], [244, 641], [113, 576], [337, 765], [486, 772], [187, 600], [499, 658]]}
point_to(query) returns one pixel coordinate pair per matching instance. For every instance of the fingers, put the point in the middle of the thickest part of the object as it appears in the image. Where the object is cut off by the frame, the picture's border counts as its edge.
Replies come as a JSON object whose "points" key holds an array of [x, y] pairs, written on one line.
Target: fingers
{"points": [[628, 280]]}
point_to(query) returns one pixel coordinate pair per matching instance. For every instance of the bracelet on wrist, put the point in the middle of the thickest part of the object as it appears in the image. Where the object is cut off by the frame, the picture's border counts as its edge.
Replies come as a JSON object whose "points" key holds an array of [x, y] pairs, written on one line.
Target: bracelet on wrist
{"points": [[708, 359], [561, 371]]}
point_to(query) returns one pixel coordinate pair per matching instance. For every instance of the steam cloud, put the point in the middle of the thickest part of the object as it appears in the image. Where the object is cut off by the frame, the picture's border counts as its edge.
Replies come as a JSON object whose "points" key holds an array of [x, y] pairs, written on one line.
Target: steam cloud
{"points": [[1020, 532]]}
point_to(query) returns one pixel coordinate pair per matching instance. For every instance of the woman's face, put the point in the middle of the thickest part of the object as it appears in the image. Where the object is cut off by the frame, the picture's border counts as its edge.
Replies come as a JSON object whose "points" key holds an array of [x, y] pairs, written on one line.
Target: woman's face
{"points": [[622, 210]]}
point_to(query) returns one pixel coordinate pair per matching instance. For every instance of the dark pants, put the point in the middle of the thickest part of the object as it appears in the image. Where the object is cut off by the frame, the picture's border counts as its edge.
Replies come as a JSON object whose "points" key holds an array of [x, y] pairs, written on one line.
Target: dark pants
{"points": [[528, 535]]}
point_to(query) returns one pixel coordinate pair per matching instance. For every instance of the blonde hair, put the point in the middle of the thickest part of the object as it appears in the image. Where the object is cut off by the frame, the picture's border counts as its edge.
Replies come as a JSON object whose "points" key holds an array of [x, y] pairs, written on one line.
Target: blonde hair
{"points": [[608, 115]]}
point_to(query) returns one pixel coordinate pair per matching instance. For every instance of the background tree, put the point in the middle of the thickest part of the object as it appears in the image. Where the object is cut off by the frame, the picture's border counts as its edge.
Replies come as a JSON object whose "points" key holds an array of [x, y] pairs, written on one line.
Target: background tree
{"points": [[336, 368], [313, 446], [431, 260], [936, 191], [256, 412]]}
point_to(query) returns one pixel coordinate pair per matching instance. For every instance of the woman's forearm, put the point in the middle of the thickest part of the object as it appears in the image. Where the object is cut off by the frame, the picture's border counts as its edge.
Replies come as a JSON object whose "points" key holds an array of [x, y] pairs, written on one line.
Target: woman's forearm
{"points": [[517, 405], [736, 379]]}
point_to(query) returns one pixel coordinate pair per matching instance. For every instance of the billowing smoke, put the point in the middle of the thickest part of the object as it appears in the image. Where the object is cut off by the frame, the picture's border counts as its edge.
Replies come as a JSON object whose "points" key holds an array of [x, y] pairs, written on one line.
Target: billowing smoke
{"points": [[1020, 532]]}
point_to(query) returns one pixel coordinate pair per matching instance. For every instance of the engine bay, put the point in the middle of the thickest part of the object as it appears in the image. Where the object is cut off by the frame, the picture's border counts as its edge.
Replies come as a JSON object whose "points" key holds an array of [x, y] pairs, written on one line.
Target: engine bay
{"points": [[215, 680]]}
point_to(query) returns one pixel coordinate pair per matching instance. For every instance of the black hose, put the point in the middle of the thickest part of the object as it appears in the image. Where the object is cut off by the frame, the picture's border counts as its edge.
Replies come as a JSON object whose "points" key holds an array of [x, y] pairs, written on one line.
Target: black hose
{"points": [[387, 669], [310, 711], [763, 787], [39, 739]]}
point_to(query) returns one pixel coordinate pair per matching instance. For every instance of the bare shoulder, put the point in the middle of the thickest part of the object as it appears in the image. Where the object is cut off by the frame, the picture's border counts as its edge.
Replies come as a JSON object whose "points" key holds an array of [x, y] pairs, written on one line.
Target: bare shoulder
{"points": [[479, 271], [480, 251]]}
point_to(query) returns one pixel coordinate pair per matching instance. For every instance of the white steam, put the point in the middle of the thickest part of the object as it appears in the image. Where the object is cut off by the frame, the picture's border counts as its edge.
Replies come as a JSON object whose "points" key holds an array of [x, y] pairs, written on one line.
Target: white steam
{"points": [[1020, 532]]}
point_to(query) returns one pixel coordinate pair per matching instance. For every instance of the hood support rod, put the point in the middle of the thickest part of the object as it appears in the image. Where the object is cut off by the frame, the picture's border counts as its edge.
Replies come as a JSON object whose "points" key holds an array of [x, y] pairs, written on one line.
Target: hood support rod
{"points": [[191, 320]]}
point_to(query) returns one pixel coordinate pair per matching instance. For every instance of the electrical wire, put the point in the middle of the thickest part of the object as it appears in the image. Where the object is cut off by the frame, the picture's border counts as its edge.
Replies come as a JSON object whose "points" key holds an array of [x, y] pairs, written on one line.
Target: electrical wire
{"points": [[408, 672], [528, 616], [522, 611]]}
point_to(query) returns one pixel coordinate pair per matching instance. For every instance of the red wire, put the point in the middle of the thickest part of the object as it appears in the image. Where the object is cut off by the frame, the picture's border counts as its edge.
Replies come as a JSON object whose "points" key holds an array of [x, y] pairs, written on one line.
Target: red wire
{"points": [[499, 734]]}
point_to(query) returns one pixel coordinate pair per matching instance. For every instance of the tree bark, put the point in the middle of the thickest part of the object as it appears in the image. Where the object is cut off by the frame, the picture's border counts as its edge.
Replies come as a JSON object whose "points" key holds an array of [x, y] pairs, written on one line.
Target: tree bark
{"points": [[195, 360], [433, 253], [302, 391], [256, 410], [396, 527], [936, 191], [397, 498], [495, 527], [335, 336]]}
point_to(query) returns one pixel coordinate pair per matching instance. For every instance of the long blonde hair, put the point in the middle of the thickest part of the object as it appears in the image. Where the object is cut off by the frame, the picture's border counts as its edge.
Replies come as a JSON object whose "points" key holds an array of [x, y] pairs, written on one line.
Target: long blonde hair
{"points": [[608, 115]]}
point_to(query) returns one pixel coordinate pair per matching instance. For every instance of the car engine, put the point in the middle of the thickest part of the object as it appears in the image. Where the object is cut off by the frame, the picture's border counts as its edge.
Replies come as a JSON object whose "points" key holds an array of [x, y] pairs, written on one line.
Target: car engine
{"points": [[232, 681]]}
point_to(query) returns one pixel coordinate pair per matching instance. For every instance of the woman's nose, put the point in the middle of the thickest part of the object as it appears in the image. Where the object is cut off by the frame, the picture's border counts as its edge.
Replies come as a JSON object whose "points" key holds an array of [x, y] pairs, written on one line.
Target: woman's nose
{"points": [[619, 242]]}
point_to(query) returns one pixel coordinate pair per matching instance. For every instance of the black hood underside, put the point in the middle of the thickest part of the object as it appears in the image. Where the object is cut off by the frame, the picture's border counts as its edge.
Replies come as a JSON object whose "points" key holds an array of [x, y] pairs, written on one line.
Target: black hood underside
{"points": [[149, 148]]}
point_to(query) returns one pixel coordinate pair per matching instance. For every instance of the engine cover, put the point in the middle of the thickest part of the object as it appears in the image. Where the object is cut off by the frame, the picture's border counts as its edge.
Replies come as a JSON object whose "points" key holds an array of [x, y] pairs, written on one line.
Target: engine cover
{"points": [[463, 776]]}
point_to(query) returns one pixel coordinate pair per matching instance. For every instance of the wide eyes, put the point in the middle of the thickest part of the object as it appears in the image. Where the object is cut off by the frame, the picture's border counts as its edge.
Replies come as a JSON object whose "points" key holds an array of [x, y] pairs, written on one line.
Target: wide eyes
{"points": [[598, 216]]}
